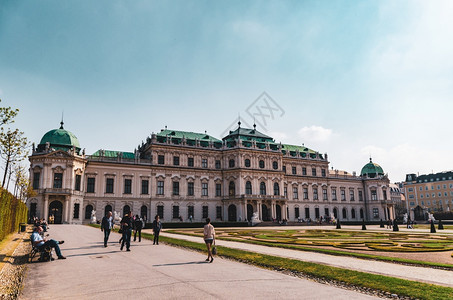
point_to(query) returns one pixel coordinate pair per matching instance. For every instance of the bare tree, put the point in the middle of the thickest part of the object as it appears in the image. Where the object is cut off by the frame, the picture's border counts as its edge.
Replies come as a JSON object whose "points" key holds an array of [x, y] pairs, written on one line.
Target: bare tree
{"points": [[13, 147]]}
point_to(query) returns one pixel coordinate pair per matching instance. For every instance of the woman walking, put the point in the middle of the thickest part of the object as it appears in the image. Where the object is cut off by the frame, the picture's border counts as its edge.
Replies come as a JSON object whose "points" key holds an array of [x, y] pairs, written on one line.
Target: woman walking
{"points": [[157, 226], [209, 236]]}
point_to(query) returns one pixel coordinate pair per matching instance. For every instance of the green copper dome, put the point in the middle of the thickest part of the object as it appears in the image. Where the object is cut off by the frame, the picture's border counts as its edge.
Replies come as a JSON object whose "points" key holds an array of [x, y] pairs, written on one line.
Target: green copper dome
{"points": [[60, 139], [371, 170]]}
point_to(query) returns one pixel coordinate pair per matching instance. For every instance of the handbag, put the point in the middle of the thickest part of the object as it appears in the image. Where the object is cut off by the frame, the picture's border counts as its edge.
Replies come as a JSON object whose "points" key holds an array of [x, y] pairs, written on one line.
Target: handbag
{"points": [[214, 249], [120, 230]]}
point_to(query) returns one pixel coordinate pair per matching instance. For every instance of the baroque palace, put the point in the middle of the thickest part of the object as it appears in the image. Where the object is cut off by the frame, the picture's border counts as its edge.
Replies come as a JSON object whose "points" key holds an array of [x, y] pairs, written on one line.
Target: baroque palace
{"points": [[191, 176]]}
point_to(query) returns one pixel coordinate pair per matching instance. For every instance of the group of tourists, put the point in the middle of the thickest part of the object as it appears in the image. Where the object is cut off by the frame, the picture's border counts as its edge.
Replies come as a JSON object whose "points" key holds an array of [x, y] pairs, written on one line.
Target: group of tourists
{"points": [[129, 224]]}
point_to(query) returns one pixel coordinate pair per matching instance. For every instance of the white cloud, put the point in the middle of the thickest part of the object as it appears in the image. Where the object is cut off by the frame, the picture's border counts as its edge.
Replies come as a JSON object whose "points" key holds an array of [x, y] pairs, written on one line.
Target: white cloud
{"points": [[280, 136], [315, 133]]}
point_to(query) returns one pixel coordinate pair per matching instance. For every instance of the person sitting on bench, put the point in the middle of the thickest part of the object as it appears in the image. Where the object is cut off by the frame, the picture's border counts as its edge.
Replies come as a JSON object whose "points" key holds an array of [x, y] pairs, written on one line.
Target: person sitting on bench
{"points": [[40, 242]]}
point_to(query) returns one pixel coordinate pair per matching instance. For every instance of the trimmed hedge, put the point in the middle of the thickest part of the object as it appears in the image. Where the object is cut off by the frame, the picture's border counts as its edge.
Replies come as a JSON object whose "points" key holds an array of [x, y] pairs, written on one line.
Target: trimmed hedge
{"points": [[12, 213], [197, 224]]}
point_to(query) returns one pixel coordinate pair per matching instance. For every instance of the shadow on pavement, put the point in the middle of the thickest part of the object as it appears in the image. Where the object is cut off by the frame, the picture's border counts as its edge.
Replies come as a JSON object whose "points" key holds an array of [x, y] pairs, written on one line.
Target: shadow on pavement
{"points": [[184, 263]]}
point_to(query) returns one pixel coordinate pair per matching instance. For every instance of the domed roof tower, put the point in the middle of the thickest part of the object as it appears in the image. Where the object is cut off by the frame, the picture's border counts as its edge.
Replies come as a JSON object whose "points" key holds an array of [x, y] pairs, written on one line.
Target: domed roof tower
{"points": [[372, 170], [59, 139]]}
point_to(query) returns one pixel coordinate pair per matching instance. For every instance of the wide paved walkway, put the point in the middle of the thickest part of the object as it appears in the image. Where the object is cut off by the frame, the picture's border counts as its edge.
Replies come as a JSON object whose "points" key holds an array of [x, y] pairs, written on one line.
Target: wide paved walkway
{"points": [[428, 275], [149, 272]]}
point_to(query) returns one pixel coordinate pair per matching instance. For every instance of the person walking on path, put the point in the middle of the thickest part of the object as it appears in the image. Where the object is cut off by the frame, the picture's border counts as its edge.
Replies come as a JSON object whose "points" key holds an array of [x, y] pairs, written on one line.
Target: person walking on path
{"points": [[107, 226], [138, 225], [157, 227], [126, 226], [209, 236]]}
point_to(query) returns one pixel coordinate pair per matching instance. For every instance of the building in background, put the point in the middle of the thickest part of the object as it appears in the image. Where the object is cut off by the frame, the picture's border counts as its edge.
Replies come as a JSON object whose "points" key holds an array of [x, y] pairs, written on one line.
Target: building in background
{"points": [[182, 175], [428, 193]]}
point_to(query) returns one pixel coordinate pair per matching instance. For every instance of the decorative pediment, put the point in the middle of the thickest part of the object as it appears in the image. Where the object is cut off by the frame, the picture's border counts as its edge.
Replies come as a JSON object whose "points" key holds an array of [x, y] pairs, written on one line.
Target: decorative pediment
{"points": [[59, 154], [78, 171], [37, 169], [58, 169]]}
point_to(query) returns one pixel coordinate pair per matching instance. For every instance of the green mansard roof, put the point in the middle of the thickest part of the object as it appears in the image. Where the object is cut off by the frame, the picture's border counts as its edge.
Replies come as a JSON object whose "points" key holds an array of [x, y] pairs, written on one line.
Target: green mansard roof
{"points": [[187, 135], [114, 154], [248, 134]]}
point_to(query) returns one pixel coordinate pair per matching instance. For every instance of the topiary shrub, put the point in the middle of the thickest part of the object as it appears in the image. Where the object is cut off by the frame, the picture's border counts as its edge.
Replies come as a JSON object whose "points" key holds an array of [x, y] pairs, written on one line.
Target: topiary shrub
{"points": [[363, 224], [440, 226], [338, 224], [433, 228], [395, 226], [381, 224]]}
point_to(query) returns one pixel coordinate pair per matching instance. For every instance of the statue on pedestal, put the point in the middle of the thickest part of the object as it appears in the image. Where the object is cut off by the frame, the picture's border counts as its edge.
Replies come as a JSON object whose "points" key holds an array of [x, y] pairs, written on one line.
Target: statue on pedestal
{"points": [[93, 217]]}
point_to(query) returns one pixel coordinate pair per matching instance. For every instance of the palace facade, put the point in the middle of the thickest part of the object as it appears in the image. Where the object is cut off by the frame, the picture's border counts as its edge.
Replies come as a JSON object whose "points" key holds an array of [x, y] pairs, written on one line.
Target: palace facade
{"points": [[190, 176]]}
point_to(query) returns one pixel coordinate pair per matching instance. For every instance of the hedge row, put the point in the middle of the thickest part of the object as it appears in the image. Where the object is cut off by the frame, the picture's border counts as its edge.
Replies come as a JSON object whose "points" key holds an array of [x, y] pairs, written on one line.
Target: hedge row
{"points": [[12, 212]]}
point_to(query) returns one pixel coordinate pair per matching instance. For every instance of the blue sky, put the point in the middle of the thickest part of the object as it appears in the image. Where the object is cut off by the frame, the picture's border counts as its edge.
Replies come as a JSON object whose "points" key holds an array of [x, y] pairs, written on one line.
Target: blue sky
{"points": [[354, 78]]}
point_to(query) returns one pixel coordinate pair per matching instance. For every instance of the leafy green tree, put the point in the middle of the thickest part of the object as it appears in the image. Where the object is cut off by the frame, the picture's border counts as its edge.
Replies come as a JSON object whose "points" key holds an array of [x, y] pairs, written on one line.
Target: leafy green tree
{"points": [[7, 115]]}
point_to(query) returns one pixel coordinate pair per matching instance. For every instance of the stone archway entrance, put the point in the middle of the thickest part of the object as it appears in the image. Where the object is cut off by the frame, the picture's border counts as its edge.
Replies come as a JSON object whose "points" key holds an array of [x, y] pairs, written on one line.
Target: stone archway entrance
{"points": [[232, 216], [249, 212], [56, 210], [265, 212]]}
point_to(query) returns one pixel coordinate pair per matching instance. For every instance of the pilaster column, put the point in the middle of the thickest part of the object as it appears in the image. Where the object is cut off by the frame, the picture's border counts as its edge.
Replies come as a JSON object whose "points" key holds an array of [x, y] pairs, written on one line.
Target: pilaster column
{"points": [[260, 210], [66, 209], [46, 207]]}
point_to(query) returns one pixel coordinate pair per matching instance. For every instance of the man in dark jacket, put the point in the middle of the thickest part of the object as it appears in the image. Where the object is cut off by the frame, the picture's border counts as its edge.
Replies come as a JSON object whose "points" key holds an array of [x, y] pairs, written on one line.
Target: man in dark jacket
{"points": [[126, 226], [138, 225], [157, 227], [107, 226]]}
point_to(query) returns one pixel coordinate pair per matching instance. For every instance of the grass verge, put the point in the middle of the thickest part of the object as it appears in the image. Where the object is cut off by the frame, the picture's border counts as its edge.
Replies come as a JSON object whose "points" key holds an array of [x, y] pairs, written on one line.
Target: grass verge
{"points": [[401, 287], [334, 252]]}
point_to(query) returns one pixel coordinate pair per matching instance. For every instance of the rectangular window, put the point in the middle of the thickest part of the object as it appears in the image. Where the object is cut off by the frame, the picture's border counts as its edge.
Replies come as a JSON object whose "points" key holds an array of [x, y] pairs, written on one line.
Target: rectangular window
{"points": [[360, 196], [160, 211], [218, 212], [76, 210], [78, 181], [285, 192], [384, 193], [343, 195], [305, 193], [90, 184], [323, 172], [190, 162], [373, 195], [295, 193], [410, 189], [296, 212], [376, 213], [175, 188], [217, 164], [411, 196], [326, 212], [128, 186], [205, 212], [160, 159], [58, 180], [334, 195], [294, 170], [218, 189], [317, 212], [145, 187], [175, 214], [313, 171], [176, 160], [324, 194], [160, 187], [284, 169], [204, 163], [412, 203], [351, 195], [190, 210], [307, 212], [315, 193], [109, 185], [190, 189], [304, 171], [204, 189], [36, 176]]}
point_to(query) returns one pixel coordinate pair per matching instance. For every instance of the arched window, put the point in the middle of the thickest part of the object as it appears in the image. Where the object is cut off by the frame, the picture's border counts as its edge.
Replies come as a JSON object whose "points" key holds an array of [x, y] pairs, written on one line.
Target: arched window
{"points": [[335, 213], [126, 209], [231, 189], [144, 212], [248, 188], [276, 189], [231, 163], [361, 213], [353, 213], [247, 163], [261, 164], [262, 188], [275, 165], [107, 208], [344, 213], [88, 210]]}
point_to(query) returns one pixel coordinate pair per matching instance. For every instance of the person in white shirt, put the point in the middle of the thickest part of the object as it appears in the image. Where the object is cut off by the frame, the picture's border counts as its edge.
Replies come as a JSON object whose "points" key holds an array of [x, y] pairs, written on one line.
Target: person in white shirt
{"points": [[40, 242], [209, 236]]}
